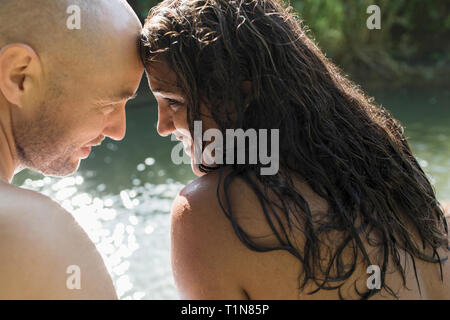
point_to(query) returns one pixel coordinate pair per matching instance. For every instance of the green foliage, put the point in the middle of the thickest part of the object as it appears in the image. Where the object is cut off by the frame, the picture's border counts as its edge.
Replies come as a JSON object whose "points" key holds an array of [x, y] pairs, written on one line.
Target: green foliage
{"points": [[411, 30]]}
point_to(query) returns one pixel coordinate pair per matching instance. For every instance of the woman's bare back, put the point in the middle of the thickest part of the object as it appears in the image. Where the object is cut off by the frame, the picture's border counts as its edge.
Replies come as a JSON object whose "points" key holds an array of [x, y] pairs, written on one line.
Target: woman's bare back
{"points": [[275, 274]]}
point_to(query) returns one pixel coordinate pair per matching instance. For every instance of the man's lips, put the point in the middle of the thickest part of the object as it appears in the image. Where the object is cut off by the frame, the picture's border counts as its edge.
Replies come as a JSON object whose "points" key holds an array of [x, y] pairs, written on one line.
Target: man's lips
{"points": [[85, 151], [93, 145], [96, 143]]}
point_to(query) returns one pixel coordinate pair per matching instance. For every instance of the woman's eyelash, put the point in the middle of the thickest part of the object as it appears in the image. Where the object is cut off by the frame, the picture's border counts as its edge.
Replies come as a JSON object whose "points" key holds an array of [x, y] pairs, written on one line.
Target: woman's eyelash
{"points": [[173, 102]]}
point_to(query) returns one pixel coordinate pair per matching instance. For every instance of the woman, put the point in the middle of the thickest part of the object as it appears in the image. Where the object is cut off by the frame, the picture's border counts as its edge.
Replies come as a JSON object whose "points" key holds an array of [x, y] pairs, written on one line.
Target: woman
{"points": [[348, 194]]}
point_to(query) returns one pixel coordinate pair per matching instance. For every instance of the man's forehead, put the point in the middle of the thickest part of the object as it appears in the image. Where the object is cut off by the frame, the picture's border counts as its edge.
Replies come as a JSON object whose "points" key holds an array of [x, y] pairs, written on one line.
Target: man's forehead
{"points": [[115, 85]]}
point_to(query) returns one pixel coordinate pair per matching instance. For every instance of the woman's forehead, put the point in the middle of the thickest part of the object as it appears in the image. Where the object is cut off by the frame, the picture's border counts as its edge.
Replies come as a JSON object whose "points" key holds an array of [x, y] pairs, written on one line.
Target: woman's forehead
{"points": [[162, 77]]}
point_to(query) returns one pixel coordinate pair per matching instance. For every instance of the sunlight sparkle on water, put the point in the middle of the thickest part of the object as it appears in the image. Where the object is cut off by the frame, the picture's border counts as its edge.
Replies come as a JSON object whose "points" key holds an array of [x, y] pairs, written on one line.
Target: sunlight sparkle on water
{"points": [[129, 229]]}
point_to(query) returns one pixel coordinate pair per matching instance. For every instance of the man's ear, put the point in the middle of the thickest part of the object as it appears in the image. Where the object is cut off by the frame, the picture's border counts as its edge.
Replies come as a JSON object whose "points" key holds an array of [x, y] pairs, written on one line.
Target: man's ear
{"points": [[20, 68]]}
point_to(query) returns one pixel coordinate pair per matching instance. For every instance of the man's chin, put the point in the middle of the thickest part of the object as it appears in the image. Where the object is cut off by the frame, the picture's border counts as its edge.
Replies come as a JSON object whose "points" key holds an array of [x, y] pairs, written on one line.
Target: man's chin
{"points": [[68, 169]]}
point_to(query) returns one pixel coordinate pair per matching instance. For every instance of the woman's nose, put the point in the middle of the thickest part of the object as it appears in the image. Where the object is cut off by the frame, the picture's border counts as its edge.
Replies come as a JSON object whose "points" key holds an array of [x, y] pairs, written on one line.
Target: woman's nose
{"points": [[165, 123]]}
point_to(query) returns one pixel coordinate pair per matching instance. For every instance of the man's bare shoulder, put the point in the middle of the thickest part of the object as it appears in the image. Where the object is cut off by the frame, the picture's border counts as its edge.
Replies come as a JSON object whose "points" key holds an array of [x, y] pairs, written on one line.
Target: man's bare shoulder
{"points": [[42, 249]]}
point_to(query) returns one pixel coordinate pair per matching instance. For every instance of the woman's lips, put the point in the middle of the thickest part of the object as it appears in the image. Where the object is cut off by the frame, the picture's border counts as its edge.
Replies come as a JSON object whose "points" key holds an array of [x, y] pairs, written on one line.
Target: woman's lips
{"points": [[186, 143], [187, 149]]}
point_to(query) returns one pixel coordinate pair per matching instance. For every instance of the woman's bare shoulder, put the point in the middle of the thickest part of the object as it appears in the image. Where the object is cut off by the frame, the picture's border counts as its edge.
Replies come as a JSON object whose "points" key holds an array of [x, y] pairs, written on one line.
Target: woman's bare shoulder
{"points": [[234, 209], [446, 207], [220, 207], [198, 206], [207, 256]]}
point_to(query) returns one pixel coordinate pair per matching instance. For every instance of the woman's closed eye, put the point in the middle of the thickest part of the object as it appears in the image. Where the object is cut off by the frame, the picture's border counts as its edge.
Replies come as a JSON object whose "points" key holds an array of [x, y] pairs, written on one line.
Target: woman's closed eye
{"points": [[174, 104]]}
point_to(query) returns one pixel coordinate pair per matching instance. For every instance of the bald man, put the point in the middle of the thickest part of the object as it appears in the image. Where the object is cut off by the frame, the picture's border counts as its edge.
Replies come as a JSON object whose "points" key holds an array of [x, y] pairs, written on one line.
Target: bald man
{"points": [[62, 91]]}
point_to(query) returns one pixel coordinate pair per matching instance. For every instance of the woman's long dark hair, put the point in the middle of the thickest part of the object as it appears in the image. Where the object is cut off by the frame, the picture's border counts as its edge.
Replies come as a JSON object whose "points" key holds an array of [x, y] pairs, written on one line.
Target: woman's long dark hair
{"points": [[350, 151]]}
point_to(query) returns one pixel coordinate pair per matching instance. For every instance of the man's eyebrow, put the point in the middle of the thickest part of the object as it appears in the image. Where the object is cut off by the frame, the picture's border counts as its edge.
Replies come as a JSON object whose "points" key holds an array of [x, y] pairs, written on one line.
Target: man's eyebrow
{"points": [[125, 95]]}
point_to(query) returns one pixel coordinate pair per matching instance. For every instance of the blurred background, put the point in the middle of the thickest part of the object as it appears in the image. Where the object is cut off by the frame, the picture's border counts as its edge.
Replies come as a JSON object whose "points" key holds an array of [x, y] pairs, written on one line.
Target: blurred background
{"points": [[411, 47], [123, 192]]}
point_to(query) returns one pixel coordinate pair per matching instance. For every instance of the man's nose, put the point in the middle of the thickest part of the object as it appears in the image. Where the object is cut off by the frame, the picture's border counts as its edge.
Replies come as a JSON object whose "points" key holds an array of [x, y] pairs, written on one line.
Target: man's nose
{"points": [[116, 125], [165, 122]]}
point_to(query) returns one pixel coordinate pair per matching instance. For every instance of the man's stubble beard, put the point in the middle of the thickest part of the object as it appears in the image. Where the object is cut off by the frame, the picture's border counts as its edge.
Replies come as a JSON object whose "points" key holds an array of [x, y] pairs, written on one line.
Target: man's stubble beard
{"points": [[42, 144]]}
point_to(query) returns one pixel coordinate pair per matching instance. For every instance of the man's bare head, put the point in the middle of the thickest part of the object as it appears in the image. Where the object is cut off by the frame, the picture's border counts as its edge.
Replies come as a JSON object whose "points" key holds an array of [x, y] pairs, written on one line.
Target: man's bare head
{"points": [[49, 26], [66, 86]]}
